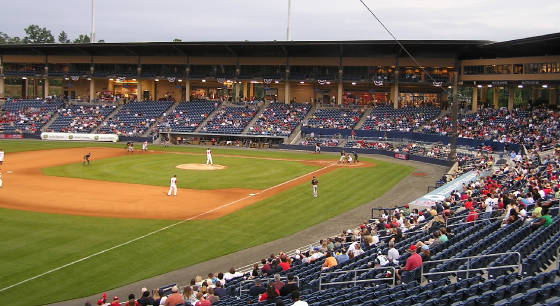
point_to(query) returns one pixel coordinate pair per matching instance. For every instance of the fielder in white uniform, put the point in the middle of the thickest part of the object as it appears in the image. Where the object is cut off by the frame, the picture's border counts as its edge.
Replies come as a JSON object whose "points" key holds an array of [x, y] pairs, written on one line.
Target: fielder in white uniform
{"points": [[173, 186], [1, 156], [145, 146], [209, 157]]}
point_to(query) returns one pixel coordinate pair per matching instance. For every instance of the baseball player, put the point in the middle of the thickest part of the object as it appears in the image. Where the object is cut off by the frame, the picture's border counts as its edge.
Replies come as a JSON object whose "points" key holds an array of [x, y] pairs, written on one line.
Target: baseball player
{"points": [[86, 159], [144, 146], [314, 183], [317, 148], [342, 157], [131, 147], [1, 157], [209, 157], [173, 186], [355, 156]]}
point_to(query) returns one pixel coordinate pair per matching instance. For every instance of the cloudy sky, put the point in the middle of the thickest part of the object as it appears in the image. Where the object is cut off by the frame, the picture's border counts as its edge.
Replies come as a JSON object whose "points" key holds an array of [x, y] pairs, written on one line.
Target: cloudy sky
{"points": [[234, 20]]}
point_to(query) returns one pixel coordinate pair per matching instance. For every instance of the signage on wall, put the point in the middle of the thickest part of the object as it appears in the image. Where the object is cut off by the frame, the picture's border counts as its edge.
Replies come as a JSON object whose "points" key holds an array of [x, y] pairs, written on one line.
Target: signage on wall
{"points": [[499, 82], [530, 82]]}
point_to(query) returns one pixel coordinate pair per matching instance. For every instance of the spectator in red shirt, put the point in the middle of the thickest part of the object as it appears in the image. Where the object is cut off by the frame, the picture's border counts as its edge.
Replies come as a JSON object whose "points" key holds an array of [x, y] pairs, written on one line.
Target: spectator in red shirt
{"points": [[414, 261], [285, 265], [468, 204], [270, 294], [472, 216], [201, 300]]}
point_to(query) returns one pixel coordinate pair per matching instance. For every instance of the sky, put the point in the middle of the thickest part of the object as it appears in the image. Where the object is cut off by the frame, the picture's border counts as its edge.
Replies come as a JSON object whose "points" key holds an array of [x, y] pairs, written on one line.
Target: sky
{"points": [[266, 20]]}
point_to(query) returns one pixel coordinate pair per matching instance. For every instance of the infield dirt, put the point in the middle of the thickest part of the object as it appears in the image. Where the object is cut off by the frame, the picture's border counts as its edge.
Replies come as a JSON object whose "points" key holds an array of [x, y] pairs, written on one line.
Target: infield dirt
{"points": [[26, 188]]}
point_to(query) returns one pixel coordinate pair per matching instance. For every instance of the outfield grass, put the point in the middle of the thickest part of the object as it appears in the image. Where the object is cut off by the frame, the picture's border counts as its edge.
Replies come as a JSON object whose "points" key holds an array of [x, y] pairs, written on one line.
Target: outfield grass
{"points": [[32, 243], [156, 169]]}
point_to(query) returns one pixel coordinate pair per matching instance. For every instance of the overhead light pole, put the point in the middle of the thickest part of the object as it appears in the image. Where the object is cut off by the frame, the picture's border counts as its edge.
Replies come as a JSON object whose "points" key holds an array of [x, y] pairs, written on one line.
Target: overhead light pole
{"points": [[92, 36], [289, 20]]}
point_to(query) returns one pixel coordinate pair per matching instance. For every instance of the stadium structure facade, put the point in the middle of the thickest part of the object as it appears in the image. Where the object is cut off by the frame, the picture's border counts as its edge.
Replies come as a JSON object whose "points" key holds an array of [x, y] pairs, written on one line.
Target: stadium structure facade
{"points": [[492, 74]]}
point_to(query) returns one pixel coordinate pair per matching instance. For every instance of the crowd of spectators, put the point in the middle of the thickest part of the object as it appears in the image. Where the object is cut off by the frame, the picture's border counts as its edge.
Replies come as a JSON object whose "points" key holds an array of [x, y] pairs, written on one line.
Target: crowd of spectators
{"points": [[230, 119], [536, 128], [187, 116], [279, 119], [27, 116], [135, 118], [333, 118], [80, 118], [407, 119]]}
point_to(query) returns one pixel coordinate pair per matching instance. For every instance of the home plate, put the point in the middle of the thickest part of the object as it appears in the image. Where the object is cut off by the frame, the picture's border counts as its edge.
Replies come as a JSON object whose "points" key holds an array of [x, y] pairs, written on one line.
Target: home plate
{"points": [[9, 171], [252, 194]]}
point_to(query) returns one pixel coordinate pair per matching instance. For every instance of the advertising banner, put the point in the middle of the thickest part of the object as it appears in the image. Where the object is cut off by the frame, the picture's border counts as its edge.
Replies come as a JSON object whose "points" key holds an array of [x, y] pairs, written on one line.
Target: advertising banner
{"points": [[79, 137], [11, 136]]}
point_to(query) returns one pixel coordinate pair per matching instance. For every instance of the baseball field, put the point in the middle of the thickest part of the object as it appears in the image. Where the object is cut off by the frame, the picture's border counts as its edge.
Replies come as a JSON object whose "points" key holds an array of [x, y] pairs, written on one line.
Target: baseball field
{"points": [[68, 230]]}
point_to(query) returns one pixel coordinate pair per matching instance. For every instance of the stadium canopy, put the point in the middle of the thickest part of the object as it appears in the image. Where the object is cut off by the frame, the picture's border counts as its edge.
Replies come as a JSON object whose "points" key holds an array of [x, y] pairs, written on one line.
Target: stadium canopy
{"points": [[249, 49]]}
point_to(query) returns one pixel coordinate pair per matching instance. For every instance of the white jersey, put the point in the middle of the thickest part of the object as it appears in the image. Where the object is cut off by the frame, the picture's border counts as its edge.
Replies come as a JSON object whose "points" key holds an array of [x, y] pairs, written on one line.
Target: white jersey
{"points": [[208, 152], [1, 156], [173, 181], [145, 145]]}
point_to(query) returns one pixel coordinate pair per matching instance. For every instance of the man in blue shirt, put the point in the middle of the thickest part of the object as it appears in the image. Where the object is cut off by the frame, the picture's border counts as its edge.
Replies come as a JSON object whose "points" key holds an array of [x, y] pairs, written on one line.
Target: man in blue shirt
{"points": [[342, 257]]}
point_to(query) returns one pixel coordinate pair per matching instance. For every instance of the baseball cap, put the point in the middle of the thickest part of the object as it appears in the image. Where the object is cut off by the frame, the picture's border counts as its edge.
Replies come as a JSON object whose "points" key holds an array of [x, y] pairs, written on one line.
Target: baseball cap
{"points": [[115, 298], [412, 247], [425, 247], [100, 302]]}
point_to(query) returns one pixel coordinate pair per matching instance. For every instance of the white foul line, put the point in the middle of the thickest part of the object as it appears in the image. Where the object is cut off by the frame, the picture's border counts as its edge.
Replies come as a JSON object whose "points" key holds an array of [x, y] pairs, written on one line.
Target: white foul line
{"points": [[156, 231]]}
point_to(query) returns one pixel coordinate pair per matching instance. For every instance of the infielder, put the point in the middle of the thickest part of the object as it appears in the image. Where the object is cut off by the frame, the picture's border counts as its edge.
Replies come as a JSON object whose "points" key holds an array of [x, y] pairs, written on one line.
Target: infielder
{"points": [[209, 157], [1, 157], [86, 159], [144, 146], [314, 183], [173, 186]]}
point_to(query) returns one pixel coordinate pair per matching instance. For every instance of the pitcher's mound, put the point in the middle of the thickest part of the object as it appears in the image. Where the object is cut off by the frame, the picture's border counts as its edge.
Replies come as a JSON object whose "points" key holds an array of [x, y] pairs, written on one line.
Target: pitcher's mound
{"points": [[203, 167]]}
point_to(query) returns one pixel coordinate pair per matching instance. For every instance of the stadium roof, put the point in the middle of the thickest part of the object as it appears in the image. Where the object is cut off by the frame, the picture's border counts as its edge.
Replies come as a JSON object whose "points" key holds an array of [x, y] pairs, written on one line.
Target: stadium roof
{"points": [[363, 48], [532, 46]]}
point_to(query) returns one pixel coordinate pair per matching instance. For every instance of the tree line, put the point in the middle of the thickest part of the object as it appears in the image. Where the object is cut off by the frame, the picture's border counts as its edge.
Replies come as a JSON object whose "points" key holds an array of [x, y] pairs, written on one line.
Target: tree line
{"points": [[35, 34]]}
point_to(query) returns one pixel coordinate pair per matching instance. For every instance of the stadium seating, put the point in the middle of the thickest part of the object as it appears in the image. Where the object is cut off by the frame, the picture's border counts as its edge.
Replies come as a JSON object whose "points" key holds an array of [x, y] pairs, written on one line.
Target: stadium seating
{"points": [[279, 119], [135, 118], [27, 116], [407, 119], [333, 118], [80, 118], [230, 120], [187, 116], [536, 128]]}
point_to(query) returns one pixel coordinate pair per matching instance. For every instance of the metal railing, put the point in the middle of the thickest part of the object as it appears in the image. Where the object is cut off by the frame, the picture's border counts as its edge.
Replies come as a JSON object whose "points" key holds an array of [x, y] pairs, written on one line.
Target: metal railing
{"points": [[355, 279], [469, 269], [480, 218], [265, 281]]}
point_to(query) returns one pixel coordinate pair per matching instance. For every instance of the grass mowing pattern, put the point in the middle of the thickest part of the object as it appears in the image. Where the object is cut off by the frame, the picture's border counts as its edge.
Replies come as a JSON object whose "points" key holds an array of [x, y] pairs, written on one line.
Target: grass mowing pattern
{"points": [[156, 169], [32, 243]]}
